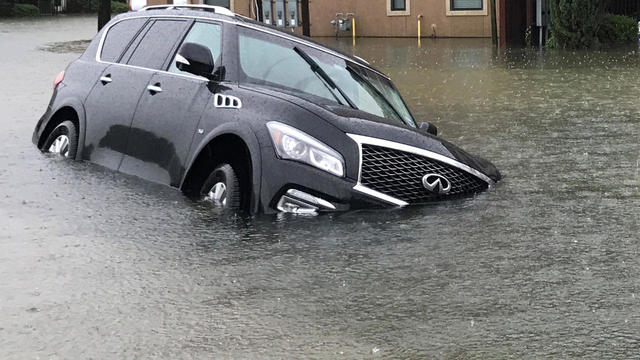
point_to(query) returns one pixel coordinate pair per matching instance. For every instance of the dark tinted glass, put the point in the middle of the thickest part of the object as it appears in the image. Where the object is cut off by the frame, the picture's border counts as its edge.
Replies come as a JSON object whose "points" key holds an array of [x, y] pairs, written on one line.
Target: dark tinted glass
{"points": [[157, 43], [225, 3], [118, 37], [397, 5], [466, 4]]}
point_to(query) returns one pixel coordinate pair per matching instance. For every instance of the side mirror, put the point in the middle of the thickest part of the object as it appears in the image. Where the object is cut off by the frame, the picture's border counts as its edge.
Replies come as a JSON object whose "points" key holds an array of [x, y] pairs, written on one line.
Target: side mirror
{"points": [[195, 59], [429, 128]]}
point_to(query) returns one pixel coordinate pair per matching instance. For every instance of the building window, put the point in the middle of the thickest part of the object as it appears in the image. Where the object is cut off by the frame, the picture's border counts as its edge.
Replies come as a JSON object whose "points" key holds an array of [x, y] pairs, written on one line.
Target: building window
{"points": [[224, 3], [398, 7], [466, 7]]}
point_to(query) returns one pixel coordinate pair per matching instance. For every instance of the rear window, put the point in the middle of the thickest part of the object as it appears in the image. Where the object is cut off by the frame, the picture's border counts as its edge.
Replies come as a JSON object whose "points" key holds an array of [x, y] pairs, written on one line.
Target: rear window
{"points": [[118, 38], [155, 47]]}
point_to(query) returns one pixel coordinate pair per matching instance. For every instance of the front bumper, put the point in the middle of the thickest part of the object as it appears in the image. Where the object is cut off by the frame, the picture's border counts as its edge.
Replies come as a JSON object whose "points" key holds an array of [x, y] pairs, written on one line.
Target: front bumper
{"points": [[286, 182]]}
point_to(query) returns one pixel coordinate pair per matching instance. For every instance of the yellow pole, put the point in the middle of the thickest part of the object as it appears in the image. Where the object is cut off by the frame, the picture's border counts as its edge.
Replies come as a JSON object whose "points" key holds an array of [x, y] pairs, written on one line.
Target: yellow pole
{"points": [[353, 30], [419, 30]]}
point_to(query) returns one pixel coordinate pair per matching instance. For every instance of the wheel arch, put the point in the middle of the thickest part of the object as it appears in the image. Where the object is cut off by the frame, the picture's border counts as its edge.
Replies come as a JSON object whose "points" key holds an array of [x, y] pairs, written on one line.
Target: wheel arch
{"points": [[233, 143], [70, 110]]}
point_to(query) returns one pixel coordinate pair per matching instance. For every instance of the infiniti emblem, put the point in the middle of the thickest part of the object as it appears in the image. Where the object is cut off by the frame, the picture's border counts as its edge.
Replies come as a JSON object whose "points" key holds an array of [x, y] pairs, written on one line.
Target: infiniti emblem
{"points": [[437, 184]]}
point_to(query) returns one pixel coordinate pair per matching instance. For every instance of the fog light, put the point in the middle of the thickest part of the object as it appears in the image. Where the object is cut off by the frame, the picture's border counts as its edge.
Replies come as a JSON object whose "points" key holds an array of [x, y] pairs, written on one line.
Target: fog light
{"points": [[299, 202], [291, 205]]}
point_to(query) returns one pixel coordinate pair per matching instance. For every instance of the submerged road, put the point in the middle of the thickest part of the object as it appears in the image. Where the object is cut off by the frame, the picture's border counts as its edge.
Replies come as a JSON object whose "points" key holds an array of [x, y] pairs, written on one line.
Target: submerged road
{"points": [[96, 264]]}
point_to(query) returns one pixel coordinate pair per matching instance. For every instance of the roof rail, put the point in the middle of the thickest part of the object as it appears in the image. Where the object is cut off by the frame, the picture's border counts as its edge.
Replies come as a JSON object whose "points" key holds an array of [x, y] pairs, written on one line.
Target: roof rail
{"points": [[217, 9]]}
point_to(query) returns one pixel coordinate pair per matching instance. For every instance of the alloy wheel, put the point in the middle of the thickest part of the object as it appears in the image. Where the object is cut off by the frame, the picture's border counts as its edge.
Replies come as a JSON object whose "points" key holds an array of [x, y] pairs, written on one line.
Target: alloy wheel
{"points": [[218, 194], [60, 146]]}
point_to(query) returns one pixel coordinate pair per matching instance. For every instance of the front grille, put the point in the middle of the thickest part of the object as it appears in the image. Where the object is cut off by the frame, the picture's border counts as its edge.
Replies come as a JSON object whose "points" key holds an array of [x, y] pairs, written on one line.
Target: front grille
{"points": [[399, 174]]}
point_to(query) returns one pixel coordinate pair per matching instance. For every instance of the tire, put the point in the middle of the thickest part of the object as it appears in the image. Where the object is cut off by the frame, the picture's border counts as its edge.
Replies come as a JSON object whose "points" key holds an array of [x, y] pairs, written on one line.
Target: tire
{"points": [[63, 140], [223, 178]]}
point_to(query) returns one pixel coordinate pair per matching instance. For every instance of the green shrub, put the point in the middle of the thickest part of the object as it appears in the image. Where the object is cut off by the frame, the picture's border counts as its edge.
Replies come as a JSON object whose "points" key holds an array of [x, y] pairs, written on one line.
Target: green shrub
{"points": [[6, 10], [82, 6], [91, 6], [119, 7], [20, 10], [576, 23], [618, 29]]}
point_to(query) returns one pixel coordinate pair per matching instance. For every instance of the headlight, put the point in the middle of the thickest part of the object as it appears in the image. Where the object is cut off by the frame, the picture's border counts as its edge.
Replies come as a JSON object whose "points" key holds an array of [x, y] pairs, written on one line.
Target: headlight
{"points": [[293, 144]]}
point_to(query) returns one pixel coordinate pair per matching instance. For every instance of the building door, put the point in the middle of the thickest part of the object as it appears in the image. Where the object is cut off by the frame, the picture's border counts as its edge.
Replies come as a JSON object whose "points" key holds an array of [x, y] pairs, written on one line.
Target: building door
{"points": [[513, 22]]}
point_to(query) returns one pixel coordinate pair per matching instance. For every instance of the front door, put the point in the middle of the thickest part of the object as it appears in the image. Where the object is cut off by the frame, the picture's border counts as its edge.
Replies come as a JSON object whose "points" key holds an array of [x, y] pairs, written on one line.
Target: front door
{"points": [[163, 127], [109, 111], [168, 114]]}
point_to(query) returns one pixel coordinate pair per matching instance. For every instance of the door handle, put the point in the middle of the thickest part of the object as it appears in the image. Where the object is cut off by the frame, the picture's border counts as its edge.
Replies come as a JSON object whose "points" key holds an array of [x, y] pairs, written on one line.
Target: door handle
{"points": [[105, 79], [154, 89]]}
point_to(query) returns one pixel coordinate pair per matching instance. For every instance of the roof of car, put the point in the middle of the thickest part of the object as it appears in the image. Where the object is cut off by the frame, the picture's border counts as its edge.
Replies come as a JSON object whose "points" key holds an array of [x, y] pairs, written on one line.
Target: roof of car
{"points": [[216, 13]]}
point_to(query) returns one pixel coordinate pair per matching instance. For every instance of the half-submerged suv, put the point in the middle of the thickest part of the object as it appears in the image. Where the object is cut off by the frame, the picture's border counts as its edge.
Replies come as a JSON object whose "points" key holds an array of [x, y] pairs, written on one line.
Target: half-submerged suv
{"points": [[248, 116]]}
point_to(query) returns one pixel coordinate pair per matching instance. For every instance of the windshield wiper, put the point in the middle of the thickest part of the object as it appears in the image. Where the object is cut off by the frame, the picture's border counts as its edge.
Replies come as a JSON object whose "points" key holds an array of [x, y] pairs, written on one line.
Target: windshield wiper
{"points": [[362, 79], [326, 79]]}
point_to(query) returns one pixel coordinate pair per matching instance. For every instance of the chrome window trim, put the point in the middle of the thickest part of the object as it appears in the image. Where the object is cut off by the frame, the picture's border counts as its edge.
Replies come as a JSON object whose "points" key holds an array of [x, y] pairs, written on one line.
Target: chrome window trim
{"points": [[360, 140], [194, 77], [235, 22], [361, 59]]}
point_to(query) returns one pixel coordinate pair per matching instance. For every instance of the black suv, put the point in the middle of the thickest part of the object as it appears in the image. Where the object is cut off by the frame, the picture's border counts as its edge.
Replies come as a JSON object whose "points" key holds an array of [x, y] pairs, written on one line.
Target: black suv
{"points": [[253, 118]]}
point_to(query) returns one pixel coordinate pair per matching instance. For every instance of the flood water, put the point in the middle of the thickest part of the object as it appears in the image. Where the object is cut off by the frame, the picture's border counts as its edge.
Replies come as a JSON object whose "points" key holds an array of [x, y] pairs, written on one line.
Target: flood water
{"points": [[95, 264]]}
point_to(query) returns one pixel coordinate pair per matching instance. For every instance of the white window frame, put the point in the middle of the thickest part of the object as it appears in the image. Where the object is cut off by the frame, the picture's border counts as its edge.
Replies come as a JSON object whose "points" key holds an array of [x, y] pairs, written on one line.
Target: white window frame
{"points": [[406, 12], [450, 12]]}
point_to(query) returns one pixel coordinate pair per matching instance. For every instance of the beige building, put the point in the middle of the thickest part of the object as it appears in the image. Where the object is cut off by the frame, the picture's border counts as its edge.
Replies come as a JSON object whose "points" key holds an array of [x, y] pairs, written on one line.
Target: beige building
{"points": [[382, 18], [399, 18]]}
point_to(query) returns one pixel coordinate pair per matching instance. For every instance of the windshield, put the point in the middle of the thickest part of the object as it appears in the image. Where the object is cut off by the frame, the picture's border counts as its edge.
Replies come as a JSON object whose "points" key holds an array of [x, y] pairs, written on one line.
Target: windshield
{"points": [[270, 60]]}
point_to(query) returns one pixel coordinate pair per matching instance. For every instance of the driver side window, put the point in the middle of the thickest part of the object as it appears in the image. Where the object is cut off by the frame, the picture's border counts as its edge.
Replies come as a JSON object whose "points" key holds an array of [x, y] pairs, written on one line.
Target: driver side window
{"points": [[206, 34]]}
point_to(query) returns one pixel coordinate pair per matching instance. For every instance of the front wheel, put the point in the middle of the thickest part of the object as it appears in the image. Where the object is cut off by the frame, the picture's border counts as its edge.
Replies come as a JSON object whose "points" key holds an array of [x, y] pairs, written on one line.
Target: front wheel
{"points": [[222, 187], [63, 140]]}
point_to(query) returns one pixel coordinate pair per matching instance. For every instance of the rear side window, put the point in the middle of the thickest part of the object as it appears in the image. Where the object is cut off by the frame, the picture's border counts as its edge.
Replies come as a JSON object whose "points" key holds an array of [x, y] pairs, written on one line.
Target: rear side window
{"points": [[118, 38], [153, 50]]}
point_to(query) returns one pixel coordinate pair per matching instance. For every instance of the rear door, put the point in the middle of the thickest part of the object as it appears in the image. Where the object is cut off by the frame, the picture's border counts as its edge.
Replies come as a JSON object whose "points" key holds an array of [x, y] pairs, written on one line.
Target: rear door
{"points": [[168, 114], [111, 103]]}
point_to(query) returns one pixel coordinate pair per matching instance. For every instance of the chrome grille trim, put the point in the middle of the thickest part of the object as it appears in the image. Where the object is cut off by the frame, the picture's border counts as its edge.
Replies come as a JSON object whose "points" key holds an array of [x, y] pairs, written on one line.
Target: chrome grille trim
{"points": [[376, 194], [360, 140]]}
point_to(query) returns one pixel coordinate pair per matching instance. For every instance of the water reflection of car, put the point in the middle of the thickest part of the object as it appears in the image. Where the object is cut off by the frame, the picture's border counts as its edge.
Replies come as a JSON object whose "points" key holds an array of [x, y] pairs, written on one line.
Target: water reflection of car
{"points": [[249, 117]]}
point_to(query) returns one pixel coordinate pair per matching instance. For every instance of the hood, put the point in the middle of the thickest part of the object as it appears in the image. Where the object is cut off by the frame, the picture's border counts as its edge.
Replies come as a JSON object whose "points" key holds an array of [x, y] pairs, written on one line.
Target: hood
{"points": [[361, 123], [357, 122]]}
